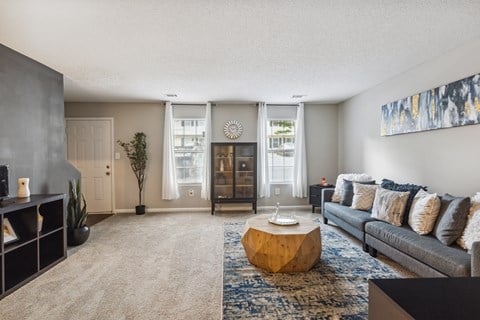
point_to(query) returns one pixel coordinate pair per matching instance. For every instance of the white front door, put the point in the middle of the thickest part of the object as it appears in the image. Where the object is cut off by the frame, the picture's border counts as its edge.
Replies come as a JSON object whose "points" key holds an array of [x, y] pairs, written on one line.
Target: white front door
{"points": [[89, 149]]}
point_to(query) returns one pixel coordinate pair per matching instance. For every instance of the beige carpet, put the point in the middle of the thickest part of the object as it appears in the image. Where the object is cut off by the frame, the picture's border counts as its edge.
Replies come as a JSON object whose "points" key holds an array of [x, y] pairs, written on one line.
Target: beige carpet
{"points": [[156, 266]]}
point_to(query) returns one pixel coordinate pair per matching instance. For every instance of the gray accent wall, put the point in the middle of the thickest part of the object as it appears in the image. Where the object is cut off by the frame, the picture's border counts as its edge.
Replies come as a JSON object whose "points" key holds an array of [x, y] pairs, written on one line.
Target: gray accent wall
{"points": [[321, 139], [446, 160], [32, 126]]}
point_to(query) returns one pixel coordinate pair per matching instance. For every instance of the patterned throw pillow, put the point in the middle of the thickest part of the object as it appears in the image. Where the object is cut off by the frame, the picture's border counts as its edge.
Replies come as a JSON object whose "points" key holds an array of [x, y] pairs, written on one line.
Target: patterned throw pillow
{"points": [[348, 191], [338, 193], [412, 188], [452, 218], [472, 230], [389, 206], [363, 196], [424, 212]]}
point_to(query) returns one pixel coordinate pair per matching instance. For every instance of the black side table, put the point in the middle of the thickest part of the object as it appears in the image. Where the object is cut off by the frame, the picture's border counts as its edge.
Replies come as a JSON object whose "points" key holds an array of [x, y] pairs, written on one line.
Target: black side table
{"points": [[316, 195], [424, 298]]}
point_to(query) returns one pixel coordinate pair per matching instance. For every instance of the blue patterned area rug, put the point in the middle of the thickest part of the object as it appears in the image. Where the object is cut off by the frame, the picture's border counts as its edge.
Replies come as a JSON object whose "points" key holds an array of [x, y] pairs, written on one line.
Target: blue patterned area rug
{"points": [[335, 288]]}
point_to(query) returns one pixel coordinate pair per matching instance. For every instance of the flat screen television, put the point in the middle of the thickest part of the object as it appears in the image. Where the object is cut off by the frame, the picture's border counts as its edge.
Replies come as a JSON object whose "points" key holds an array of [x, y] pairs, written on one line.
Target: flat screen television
{"points": [[3, 182]]}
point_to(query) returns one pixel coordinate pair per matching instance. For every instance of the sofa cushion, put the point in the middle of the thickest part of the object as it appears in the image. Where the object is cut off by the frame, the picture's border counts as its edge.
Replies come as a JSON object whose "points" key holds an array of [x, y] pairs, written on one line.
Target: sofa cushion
{"points": [[353, 217], [348, 191], [452, 218], [452, 261], [338, 194], [412, 188], [424, 212], [389, 206], [363, 196]]}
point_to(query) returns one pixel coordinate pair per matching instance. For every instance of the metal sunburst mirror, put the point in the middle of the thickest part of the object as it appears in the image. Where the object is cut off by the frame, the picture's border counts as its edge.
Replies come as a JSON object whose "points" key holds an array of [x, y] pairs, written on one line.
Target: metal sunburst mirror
{"points": [[233, 129]]}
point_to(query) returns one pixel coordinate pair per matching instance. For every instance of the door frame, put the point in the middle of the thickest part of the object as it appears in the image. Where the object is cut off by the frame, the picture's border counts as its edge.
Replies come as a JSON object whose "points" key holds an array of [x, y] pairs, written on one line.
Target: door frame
{"points": [[112, 144]]}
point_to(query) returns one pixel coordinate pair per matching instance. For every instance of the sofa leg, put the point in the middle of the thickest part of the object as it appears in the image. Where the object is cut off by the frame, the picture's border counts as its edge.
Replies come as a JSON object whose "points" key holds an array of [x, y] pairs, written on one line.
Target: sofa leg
{"points": [[365, 247], [372, 251], [325, 221]]}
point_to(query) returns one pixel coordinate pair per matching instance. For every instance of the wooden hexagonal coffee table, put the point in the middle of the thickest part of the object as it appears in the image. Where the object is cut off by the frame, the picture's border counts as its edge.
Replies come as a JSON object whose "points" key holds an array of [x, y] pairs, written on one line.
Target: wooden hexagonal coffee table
{"points": [[282, 248]]}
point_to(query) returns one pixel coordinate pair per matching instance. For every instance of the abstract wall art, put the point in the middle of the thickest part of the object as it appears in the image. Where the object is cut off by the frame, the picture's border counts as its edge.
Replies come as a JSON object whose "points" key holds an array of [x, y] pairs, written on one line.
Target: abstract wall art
{"points": [[452, 105]]}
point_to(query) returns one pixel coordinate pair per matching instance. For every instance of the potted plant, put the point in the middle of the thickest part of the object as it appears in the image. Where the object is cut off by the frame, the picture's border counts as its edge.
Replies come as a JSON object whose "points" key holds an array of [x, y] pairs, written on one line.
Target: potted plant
{"points": [[77, 229], [136, 151]]}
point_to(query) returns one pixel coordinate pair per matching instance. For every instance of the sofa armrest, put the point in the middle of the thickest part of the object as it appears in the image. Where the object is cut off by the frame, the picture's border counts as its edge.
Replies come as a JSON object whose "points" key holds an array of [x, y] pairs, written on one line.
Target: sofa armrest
{"points": [[476, 259], [327, 194]]}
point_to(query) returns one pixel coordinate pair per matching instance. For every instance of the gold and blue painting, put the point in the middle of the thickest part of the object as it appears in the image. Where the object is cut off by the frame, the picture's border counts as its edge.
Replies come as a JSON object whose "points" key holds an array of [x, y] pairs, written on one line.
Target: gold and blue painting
{"points": [[452, 105]]}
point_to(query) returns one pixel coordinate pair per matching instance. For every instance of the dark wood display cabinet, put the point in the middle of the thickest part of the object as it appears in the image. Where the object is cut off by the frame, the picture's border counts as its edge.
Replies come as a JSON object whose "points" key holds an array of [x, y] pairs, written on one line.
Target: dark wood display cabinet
{"points": [[33, 238], [234, 173]]}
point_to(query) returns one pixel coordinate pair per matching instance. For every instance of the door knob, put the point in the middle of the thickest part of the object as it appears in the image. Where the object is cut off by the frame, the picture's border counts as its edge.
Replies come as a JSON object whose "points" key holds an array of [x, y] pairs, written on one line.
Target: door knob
{"points": [[107, 173]]}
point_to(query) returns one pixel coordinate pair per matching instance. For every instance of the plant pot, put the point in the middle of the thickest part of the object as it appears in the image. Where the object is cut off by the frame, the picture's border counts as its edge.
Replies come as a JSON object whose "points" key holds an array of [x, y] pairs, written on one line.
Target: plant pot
{"points": [[140, 209], [78, 236]]}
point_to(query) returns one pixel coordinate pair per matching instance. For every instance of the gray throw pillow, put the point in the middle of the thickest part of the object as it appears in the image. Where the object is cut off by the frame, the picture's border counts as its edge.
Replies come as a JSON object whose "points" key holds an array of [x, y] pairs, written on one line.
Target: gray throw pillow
{"points": [[348, 191], [452, 218]]}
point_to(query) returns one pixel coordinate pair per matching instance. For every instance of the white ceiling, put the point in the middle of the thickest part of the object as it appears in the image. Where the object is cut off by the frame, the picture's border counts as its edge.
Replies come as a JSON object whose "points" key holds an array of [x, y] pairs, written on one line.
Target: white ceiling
{"points": [[233, 50]]}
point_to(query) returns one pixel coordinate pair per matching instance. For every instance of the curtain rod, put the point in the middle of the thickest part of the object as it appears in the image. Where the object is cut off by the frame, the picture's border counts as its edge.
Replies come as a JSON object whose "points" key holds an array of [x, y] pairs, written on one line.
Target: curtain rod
{"points": [[190, 104], [215, 104], [281, 105]]}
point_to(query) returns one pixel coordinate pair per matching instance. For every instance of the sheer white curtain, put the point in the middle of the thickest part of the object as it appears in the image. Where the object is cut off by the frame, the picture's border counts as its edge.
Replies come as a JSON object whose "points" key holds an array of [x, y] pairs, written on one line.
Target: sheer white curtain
{"points": [[262, 146], [205, 193], [299, 188], [169, 182]]}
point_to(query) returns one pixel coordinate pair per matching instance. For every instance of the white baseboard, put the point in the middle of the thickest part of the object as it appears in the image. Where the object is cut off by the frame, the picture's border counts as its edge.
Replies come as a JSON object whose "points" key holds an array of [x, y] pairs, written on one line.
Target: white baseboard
{"points": [[165, 210], [303, 206], [207, 209]]}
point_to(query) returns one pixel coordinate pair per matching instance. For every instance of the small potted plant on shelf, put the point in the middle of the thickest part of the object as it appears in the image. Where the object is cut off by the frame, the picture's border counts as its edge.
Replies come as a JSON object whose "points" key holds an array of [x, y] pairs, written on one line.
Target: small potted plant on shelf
{"points": [[136, 151], [77, 229]]}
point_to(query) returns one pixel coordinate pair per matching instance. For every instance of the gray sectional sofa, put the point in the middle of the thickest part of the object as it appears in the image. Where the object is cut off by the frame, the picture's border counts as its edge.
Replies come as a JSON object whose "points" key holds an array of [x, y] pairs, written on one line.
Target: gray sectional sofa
{"points": [[424, 255]]}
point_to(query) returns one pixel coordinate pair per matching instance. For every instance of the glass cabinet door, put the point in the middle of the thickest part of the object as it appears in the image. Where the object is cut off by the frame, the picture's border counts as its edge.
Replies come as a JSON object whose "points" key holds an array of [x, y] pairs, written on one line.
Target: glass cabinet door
{"points": [[244, 171], [223, 171]]}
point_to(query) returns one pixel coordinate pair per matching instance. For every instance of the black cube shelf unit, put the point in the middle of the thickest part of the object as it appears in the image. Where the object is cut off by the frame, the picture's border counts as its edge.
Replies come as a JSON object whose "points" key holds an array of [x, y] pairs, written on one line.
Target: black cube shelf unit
{"points": [[40, 230]]}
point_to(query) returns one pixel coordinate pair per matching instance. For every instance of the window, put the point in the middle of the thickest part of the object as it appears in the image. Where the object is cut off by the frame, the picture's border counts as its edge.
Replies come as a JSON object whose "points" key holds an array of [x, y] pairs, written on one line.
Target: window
{"points": [[189, 145], [281, 149]]}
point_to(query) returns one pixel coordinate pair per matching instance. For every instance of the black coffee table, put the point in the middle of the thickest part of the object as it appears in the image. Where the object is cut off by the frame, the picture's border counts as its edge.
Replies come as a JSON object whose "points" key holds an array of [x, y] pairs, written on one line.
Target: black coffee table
{"points": [[424, 298]]}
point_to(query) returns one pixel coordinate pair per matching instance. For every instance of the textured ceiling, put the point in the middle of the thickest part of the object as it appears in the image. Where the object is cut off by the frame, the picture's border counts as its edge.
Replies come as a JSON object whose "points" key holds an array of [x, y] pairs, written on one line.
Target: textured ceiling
{"points": [[232, 50]]}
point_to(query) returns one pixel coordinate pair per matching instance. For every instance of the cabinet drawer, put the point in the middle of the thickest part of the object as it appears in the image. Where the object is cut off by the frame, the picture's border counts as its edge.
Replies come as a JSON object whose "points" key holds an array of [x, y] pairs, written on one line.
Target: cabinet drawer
{"points": [[316, 191], [316, 200]]}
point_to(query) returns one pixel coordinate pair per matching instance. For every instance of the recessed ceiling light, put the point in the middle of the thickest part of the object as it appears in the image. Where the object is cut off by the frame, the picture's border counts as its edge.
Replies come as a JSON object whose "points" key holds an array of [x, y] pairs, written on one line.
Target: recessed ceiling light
{"points": [[298, 96], [171, 95]]}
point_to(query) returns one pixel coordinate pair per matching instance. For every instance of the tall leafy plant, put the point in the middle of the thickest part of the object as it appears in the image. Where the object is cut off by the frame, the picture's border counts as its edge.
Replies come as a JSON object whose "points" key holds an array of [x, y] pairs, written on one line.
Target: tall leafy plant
{"points": [[136, 151], [77, 206]]}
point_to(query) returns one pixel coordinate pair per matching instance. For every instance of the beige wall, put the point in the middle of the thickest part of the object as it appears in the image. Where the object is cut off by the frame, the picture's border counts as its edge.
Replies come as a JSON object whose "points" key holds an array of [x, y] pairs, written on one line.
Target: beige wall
{"points": [[343, 139], [128, 119], [246, 114], [321, 139], [446, 160]]}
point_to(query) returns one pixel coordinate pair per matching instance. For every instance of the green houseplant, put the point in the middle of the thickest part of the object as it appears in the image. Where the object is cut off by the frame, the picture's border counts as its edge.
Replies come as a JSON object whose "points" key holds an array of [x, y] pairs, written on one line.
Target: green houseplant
{"points": [[136, 151], [77, 229]]}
